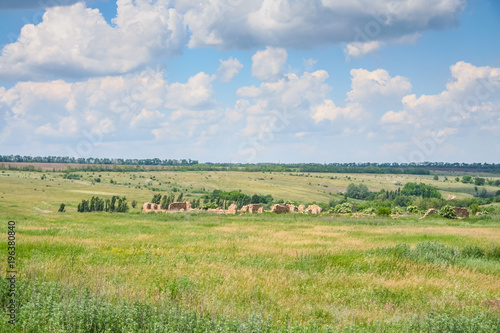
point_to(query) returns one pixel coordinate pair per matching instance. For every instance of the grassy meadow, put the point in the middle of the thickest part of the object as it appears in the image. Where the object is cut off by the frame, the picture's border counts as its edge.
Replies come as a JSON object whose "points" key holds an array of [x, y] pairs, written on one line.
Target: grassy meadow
{"points": [[249, 273]]}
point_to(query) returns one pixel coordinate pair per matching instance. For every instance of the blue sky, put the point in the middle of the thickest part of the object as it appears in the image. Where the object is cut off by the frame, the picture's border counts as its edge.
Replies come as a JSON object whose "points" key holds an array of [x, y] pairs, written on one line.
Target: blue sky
{"points": [[261, 81]]}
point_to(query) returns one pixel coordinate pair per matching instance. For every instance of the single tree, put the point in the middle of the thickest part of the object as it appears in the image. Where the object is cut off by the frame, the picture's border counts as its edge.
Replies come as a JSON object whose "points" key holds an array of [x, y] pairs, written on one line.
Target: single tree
{"points": [[62, 208]]}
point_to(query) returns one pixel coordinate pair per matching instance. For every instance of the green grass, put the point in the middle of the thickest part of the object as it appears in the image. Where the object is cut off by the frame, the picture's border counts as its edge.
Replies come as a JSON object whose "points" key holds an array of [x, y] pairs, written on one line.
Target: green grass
{"points": [[51, 307], [306, 273]]}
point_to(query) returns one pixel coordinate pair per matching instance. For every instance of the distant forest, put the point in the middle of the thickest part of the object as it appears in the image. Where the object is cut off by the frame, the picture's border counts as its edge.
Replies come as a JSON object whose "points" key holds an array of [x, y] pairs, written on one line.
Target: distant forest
{"points": [[92, 160], [119, 164]]}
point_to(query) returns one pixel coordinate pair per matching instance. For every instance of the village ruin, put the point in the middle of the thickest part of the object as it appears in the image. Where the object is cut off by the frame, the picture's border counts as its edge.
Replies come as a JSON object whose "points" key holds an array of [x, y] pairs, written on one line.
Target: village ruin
{"points": [[178, 207]]}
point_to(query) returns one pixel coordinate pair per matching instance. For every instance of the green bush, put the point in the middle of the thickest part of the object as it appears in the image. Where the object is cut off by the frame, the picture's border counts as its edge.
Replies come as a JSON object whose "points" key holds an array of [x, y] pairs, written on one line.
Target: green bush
{"points": [[412, 209], [472, 252], [209, 205], [370, 210], [344, 208], [474, 208], [494, 253], [428, 203], [399, 210], [383, 211], [448, 212]]}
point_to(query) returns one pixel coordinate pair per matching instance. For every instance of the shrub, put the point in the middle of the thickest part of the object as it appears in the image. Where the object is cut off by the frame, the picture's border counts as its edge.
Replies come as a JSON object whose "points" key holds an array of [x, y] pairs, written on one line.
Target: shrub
{"points": [[427, 203], [399, 210], [62, 208], [472, 252], [209, 205], [479, 181], [494, 253], [344, 208], [448, 212], [383, 211], [474, 208], [412, 209], [370, 210], [467, 179], [134, 204]]}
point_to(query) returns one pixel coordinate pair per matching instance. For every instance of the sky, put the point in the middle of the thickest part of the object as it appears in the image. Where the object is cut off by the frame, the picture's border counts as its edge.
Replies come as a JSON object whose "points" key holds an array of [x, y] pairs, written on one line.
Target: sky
{"points": [[280, 81]]}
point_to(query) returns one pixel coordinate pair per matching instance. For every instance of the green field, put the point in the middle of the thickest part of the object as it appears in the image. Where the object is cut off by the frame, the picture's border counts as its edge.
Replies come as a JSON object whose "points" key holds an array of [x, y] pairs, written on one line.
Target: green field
{"points": [[268, 273]]}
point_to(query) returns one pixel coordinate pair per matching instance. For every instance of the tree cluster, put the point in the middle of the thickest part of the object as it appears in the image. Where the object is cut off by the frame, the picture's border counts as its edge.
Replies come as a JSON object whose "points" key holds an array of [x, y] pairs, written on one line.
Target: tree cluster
{"points": [[420, 190], [115, 204], [224, 199]]}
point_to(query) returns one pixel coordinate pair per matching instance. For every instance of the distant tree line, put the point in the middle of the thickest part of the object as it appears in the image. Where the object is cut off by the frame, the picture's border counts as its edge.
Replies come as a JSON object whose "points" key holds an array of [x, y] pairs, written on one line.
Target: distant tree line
{"points": [[119, 164], [115, 204], [94, 160]]}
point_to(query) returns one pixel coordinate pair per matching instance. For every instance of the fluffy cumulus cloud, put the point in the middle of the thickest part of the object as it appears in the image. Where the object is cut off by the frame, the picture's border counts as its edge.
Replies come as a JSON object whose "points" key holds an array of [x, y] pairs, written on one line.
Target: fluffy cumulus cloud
{"points": [[370, 90], [75, 41], [472, 96], [142, 107], [275, 114], [470, 105], [269, 64], [228, 69], [293, 96], [368, 45], [305, 24], [359, 49]]}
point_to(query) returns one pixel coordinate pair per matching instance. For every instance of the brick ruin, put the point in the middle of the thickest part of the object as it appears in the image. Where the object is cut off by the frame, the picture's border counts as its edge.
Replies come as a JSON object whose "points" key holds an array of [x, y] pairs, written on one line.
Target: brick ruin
{"points": [[232, 209]]}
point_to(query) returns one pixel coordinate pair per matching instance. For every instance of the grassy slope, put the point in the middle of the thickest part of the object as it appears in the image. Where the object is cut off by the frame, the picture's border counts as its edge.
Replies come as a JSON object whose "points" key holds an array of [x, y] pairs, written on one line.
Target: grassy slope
{"points": [[27, 187], [295, 266]]}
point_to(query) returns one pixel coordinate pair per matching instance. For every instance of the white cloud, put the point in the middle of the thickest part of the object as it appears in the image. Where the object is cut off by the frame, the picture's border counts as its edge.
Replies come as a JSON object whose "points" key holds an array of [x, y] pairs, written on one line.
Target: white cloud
{"points": [[329, 111], [472, 95], [269, 64], [67, 127], [310, 23], [290, 102], [368, 85], [142, 107], [228, 69], [359, 49], [437, 124], [370, 90], [196, 93], [75, 41], [147, 118], [392, 117]]}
